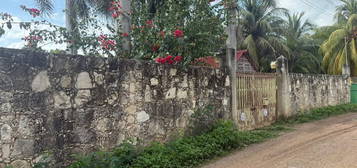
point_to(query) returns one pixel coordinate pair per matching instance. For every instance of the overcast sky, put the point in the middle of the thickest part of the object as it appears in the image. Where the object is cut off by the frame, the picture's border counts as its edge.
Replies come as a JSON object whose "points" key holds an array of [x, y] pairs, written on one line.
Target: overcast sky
{"points": [[319, 12]]}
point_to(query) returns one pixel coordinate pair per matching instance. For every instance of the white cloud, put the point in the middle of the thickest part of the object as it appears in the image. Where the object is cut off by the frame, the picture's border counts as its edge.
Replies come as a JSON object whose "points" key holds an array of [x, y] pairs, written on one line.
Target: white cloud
{"points": [[319, 12]]}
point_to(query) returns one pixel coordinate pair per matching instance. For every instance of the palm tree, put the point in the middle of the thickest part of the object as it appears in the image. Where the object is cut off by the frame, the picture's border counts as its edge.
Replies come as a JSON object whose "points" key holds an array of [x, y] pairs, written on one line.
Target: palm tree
{"points": [[341, 48], [80, 9], [262, 30], [345, 10], [75, 10], [303, 57]]}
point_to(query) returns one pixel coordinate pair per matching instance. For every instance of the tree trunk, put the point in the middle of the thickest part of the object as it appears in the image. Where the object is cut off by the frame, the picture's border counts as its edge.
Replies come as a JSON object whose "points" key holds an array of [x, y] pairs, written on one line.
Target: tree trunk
{"points": [[71, 21], [125, 25]]}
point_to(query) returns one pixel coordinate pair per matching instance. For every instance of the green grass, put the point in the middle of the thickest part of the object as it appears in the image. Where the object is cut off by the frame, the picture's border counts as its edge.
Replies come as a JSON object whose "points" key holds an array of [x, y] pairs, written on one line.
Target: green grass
{"points": [[188, 152]]}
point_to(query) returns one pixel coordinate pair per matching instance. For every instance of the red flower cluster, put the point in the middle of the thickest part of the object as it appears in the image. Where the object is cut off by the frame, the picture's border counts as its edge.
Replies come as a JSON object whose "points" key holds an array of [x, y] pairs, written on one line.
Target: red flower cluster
{"points": [[32, 38], [169, 59], [106, 43], [162, 34], [207, 61], [115, 9], [125, 34], [33, 11], [149, 22], [178, 33], [155, 48]]}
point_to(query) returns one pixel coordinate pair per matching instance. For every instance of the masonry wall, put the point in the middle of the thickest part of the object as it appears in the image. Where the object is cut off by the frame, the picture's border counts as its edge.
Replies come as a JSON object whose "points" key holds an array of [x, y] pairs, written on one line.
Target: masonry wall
{"points": [[73, 104], [312, 91]]}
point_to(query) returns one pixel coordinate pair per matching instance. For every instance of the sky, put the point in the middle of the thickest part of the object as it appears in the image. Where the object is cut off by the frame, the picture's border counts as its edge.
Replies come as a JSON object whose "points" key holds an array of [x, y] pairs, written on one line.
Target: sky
{"points": [[319, 12]]}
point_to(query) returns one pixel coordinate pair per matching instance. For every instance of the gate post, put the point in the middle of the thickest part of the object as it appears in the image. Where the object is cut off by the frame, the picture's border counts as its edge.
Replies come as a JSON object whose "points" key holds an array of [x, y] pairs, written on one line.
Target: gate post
{"points": [[283, 93]]}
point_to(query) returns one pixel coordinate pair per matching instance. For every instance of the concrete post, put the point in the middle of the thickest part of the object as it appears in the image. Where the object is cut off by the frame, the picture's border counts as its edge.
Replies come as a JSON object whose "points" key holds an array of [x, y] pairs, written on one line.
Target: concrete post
{"points": [[283, 92], [231, 54]]}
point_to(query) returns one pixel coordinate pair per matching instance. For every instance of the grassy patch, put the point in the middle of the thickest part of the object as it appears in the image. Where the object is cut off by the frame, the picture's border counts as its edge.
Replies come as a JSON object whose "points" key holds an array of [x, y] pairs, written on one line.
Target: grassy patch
{"points": [[191, 151]]}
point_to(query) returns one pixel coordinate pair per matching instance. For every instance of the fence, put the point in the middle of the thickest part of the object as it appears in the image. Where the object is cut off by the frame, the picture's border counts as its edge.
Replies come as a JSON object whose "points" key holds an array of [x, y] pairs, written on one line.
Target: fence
{"points": [[256, 100]]}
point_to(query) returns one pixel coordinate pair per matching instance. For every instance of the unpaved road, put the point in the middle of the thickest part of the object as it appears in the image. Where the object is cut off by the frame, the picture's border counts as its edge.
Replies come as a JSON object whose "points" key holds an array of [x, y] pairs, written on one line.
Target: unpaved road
{"points": [[330, 143]]}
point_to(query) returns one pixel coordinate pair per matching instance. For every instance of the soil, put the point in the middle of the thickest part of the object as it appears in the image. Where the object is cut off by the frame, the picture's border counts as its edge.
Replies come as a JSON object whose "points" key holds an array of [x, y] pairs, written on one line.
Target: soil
{"points": [[330, 143]]}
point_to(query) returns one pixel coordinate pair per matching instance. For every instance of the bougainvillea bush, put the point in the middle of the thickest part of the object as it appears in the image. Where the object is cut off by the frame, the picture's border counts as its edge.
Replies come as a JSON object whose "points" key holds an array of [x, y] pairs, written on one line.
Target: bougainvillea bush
{"points": [[179, 31]]}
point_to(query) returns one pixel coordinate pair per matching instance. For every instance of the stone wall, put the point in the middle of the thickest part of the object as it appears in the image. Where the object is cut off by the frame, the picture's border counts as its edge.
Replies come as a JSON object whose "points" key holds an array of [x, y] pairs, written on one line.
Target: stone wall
{"points": [[72, 104], [312, 91]]}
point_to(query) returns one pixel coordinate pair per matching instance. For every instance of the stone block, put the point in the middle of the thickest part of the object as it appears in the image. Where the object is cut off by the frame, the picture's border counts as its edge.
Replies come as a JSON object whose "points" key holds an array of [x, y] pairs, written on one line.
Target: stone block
{"points": [[84, 81], [41, 82]]}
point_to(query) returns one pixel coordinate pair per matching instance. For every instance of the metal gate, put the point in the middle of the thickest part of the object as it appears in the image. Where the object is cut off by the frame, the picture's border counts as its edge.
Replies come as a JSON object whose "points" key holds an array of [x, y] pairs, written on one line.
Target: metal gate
{"points": [[256, 100]]}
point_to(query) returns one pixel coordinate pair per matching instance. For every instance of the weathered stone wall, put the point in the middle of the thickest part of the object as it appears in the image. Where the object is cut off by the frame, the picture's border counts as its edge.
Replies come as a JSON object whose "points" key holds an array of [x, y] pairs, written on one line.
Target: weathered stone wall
{"points": [[72, 104], [312, 91]]}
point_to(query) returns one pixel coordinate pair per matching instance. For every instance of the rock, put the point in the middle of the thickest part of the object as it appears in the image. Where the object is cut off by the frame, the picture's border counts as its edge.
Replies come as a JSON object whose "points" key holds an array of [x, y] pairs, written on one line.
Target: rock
{"points": [[84, 81], [182, 94], [20, 164], [154, 81], [173, 72], [83, 96], [5, 148], [23, 148], [66, 81], [142, 117], [41, 82], [171, 94], [6, 132], [62, 101], [131, 109]]}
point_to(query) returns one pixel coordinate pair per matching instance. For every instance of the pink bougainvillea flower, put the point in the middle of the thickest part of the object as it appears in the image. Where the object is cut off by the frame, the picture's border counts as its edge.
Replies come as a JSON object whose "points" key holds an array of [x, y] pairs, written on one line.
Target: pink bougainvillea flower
{"points": [[115, 15], [105, 43], [162, 34], [178, 58], [178, 33], [169, 57], [125, 34], [170, 61], [155, 48], [159, 60], [149, 22]]}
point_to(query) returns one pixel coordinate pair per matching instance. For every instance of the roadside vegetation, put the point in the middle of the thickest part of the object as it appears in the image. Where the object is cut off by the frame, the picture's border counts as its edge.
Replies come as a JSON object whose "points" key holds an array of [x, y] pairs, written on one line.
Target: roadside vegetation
{"points": [[216, 140]]}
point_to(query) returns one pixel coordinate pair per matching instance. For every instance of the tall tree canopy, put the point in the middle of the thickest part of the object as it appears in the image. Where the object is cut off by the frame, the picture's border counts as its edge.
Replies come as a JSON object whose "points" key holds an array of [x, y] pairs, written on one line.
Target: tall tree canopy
{"points": [[303, 56], [345, 10], [262, 27], [335, 50]]}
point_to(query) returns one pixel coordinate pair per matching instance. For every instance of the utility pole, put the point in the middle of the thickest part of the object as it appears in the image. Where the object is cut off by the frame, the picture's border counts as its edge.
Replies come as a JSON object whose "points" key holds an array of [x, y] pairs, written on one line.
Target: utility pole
{"points": [[346, 67], [231, 53]]}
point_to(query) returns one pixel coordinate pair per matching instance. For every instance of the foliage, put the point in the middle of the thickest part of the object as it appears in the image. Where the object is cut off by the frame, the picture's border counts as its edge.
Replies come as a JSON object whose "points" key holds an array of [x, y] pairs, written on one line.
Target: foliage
{"points": [[335, 51], [190, 29], [320, 113], [122, 157], [202, 121], [183, 152], [345, 10], [262, 26], [303, 51]]}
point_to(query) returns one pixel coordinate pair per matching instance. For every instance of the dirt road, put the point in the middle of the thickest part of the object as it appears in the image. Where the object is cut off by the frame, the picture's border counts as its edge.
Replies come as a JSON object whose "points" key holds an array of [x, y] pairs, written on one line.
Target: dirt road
{"points": [[331, 143]]}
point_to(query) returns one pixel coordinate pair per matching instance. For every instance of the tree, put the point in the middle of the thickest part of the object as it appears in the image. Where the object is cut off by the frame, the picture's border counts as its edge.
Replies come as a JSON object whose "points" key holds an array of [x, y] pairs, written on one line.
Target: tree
{"points": [[303, 57], [262, 29], [345, 10], [341, 48], [75, 10]]}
